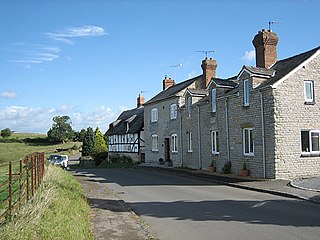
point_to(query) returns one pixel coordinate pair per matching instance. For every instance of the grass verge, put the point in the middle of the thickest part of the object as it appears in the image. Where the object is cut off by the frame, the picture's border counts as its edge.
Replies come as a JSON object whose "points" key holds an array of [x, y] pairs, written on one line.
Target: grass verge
{"points": [[59, 210]]}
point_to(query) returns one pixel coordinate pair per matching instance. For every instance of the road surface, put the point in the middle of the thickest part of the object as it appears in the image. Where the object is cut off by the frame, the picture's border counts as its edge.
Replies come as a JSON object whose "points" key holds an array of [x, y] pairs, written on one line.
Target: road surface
{"points": [[177, 207]]}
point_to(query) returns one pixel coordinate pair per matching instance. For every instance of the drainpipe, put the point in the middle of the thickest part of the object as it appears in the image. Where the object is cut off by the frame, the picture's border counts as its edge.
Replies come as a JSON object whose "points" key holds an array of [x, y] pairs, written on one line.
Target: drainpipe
{"points": [[227, 130], [180, 140], [199, 141], [263, 136]]}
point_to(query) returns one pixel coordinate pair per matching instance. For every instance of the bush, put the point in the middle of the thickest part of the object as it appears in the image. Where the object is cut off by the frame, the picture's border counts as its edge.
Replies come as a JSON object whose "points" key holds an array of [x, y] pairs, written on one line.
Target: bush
{"points": [[226, 167]]}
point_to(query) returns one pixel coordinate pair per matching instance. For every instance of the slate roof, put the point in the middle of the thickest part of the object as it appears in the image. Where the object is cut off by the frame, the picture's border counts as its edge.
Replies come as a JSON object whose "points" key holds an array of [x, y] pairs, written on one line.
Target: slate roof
{"points": [[198, 91], [285, 66], [133, 117], [260, 71], [225, 82], [173, 90]]}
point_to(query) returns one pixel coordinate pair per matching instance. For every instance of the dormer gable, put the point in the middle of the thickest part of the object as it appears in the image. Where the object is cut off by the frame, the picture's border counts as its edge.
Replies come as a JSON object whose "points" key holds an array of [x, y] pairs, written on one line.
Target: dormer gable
{"points": [[256, 75]]}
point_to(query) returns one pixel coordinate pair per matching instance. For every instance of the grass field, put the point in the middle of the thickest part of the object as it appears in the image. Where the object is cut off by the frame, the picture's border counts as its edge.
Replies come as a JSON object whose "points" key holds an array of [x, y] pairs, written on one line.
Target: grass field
{"points": [[17, 150]]}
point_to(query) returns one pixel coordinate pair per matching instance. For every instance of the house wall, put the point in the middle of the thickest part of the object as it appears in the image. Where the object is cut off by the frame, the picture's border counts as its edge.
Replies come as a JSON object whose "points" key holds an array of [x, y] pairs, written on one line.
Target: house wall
{"points": [[164, 128], [291, 116]]}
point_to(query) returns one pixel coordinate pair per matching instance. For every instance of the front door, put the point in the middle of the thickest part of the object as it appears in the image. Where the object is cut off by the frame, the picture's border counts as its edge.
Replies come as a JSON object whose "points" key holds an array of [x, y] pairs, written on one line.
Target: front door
{"points": [[166, 149]]}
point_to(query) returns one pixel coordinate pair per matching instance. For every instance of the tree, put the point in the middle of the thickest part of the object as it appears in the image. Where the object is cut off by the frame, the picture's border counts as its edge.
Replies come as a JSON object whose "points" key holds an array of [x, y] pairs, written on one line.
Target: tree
{"points": [[100, 144], [88, 142], [5, 133], [61, 130], [79, 136]]}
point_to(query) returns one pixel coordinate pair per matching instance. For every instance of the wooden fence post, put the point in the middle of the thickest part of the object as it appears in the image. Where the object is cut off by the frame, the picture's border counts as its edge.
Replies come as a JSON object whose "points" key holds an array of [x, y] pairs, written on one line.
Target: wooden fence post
{"points": [[10, 190], [20, 183], [27, 173]]}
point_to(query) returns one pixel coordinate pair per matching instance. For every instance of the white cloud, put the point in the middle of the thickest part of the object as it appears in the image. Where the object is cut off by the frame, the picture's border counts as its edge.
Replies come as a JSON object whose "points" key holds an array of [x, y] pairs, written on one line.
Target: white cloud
{"points": [[8, 94], [39, 120], [27, 54], [67, 35], [249, 56]]}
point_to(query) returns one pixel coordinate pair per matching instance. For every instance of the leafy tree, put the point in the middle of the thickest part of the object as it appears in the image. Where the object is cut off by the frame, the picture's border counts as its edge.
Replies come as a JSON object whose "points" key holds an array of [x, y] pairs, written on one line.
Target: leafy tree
{"points": [[88, 142], [79, 136], [5, 133], [100, 144], [61, 130]]}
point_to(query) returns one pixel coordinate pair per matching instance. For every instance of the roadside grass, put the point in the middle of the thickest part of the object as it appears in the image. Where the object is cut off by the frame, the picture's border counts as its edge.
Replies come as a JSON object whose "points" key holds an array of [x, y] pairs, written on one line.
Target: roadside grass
{"points": [[59, 210]]}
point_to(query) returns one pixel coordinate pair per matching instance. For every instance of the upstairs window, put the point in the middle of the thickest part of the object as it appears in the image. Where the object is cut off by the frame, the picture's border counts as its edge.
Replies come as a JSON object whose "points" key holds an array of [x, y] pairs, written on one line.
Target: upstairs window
{"points": [[246, 96], [189, 103], [190, 142], [154, 115], [214, 100], [248, 145], [308, 91], [174, 143], [173, 111], [310, 141]]}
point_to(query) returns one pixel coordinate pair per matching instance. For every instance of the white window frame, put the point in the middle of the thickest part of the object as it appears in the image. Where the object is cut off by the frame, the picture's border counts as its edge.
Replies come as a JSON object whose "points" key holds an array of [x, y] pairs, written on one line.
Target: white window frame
{"points": [[189, 103], [246, 93], [190, 142], [154, 115], [306, 97], [155, 142], [174, 143], [214, 142], [173, 111], [310, 147], [214, 100], [247, 145]]}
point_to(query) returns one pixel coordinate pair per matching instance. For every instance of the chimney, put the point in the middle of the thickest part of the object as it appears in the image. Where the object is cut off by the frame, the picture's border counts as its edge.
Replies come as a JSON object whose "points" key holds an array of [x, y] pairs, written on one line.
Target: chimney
{"points": [[209, 67], [265, 43], [167, 82], [140, 100]]}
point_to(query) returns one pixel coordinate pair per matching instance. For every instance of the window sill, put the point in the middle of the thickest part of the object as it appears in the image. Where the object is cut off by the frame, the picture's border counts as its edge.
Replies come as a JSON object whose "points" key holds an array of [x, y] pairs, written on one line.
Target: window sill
{"points": [[309, 103], [174, 152], [248, 155], [307, 154], [154, 151], [190, 151], [215, 153]]}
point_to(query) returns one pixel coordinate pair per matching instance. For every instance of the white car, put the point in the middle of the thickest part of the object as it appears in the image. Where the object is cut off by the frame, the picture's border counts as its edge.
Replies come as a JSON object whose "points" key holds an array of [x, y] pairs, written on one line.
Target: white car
{"points": [[61, 160]]}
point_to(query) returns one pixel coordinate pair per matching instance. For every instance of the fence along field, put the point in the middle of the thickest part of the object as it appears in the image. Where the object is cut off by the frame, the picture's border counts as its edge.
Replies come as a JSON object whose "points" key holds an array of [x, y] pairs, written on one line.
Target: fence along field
{"points": [[18, 183]]}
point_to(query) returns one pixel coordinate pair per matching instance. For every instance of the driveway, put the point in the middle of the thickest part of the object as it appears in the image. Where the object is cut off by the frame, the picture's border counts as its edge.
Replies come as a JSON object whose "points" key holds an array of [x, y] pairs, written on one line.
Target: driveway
{"points": [[178, 207]]}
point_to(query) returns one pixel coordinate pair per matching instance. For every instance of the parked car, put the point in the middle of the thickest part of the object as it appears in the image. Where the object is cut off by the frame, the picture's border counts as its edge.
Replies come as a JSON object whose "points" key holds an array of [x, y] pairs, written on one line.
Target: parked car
{"points": [[60, 160]]}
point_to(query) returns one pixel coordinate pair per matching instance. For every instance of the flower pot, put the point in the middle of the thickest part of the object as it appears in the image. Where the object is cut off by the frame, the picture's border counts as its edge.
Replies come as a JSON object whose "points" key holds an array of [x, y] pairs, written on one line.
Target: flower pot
{"points": [[212, 169], [244, 173]]}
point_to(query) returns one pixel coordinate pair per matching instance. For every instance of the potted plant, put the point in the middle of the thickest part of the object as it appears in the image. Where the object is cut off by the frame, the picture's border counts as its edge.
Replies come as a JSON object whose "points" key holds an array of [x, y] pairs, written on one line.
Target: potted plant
{"points": [[244, 172], [212, 166]]}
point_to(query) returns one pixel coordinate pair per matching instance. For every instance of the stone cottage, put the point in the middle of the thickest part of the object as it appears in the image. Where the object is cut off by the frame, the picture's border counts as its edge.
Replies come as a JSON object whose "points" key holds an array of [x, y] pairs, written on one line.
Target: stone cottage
{"points": [[162, 119], [267, 116]]}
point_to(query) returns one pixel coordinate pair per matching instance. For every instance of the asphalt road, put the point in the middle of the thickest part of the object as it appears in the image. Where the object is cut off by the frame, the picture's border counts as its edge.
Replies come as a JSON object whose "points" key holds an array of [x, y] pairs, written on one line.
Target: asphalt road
{"points": [[178, 207]]}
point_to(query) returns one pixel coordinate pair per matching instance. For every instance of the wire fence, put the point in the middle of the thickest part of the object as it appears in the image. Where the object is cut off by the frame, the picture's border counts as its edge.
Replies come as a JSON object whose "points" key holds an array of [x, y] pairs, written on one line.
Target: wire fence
{"points": [[19, 181]]}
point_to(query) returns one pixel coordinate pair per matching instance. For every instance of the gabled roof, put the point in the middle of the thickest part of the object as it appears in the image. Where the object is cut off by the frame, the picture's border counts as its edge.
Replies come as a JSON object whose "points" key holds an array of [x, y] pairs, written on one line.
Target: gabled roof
{"points": [[130, 121], [258, 71], [224, 83], [173, 90], [197, 92]]}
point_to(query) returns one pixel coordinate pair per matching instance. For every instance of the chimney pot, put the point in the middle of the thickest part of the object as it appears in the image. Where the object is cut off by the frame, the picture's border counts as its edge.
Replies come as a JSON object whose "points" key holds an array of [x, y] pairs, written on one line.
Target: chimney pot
{"points": [[167, 82]]}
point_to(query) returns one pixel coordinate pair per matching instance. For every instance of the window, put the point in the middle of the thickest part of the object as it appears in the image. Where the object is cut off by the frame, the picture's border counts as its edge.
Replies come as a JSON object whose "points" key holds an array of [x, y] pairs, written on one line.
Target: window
{"points": [[308, 91], [190, 142], [189, 103], [174, 143], [310, 141], [215, 142], [248, 146], [173, 111], [154, 115], [246, 92], [154, 139], [214, 100]]}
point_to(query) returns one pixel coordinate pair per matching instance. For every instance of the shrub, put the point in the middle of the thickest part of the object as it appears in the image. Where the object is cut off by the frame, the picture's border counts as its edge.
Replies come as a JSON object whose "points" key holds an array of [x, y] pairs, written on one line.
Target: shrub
{"points": [[226, 167]]}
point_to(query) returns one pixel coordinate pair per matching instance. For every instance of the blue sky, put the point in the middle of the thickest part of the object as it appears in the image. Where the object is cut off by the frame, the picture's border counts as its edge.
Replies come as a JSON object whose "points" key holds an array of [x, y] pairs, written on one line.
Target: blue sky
{"points": [[90, 59]]}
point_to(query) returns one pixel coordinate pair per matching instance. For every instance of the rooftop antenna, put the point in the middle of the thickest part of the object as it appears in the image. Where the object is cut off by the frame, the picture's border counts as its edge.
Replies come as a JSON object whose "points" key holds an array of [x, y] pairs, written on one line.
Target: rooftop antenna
{"points": [[175, 69], [272, 23], [142, 92], [206, 52]]}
